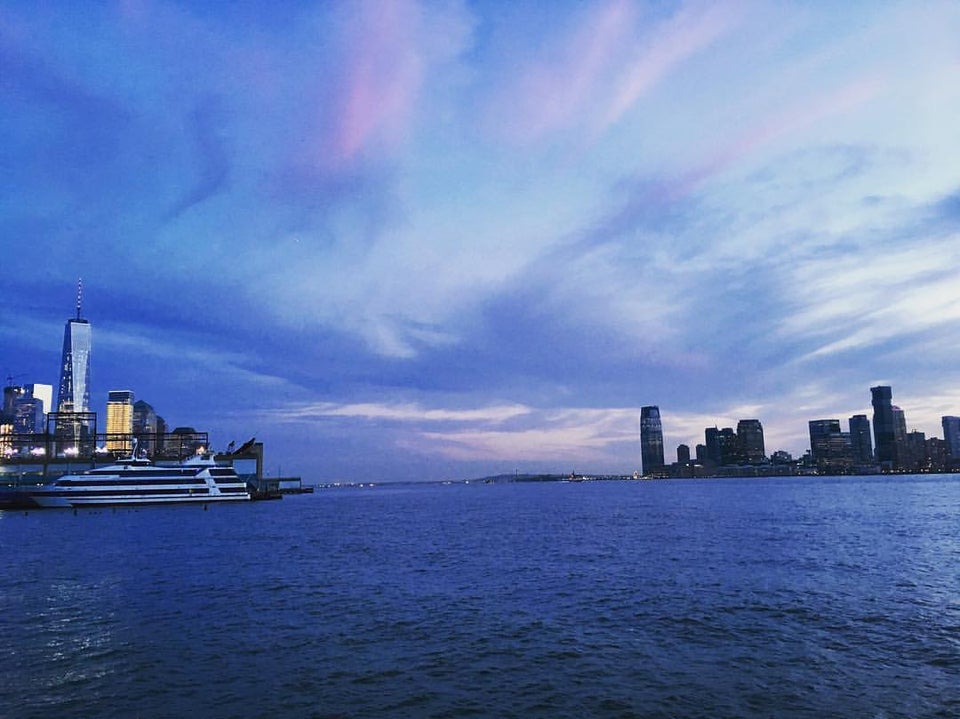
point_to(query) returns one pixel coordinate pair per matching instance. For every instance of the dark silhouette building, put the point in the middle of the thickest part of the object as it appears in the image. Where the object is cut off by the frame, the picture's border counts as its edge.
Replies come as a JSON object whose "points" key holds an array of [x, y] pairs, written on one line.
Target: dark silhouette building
{"points": [[730, 453], [750, 436], [651, 440], [938, 458], [884, 432], [951, 438], [830, 447], [914, 455], [860, 443], [711, 442]]}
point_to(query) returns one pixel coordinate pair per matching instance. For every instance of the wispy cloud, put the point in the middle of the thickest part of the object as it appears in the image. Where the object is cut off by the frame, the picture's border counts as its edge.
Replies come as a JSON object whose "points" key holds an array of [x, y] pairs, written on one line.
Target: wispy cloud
{"points": [[388, 53], [550, 91], [403, 413], [691, 30], [593, 73], [576, 435], [855, 302]]}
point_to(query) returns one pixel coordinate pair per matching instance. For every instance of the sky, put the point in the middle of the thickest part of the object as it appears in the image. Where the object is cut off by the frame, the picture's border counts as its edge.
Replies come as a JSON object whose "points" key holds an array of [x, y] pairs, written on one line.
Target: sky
{"points": [[402, 240]]}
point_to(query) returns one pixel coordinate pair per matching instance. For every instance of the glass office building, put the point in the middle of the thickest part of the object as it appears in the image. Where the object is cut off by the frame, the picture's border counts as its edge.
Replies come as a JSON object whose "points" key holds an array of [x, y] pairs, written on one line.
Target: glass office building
{"points": [[74, 392], [651, 440]]}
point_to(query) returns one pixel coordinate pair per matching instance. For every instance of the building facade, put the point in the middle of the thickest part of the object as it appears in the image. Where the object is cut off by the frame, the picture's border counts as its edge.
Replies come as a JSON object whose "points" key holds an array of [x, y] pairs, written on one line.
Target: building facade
{"points": [[750, 436], [74, 391], [884, 433], [119, 420], [830, 447], [651, 441], [860, 443], [951, 436], [145, 427]]}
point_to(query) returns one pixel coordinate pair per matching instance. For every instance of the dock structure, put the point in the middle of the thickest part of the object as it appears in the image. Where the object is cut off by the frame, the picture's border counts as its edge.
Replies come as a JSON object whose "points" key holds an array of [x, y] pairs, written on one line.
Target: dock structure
{"points": [[293, 485]]}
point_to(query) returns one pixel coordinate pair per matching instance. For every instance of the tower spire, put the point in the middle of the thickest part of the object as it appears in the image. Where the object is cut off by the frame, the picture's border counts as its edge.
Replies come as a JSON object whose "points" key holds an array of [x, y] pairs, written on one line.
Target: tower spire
{"points": [[79, 295]]}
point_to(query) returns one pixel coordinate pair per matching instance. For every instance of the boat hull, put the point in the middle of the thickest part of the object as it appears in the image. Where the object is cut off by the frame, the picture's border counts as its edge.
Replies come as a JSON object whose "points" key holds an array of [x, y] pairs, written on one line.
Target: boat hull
{"points": [[50, 500], [137, 482]]}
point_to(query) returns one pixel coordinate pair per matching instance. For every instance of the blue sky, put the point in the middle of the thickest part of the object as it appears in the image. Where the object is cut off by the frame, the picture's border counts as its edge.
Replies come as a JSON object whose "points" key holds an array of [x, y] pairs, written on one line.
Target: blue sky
{"points": [[401, 240]]}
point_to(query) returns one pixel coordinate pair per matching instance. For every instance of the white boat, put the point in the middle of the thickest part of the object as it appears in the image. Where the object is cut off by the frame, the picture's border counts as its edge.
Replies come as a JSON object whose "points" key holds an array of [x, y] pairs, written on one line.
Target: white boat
{"points": [[139, 481]]}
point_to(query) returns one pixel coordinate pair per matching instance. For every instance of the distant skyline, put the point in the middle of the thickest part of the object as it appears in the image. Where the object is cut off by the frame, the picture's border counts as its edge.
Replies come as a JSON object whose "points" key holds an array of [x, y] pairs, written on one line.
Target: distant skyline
{"points": [[448, 239]]}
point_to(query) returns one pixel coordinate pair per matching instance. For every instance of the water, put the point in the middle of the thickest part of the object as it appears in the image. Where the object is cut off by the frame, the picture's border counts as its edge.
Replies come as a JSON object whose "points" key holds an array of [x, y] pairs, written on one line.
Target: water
{"points": [[720, 598]]}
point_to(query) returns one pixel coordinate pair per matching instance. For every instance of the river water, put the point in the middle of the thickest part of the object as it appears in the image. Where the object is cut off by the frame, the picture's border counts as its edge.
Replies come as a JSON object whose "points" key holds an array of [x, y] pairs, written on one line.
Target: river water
{"points": [[800, 597]]}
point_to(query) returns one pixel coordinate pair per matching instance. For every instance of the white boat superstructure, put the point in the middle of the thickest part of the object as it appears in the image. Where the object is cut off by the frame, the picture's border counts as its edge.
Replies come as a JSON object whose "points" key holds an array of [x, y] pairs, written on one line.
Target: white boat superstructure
{"points": [[139, 481]]}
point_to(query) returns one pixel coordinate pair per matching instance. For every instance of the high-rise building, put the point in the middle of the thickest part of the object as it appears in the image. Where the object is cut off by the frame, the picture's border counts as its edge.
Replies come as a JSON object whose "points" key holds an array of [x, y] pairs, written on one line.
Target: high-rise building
{"points": [[119, 420], [860, 443], [25, 406], [683, 454], [884, 433], [145, 426], [28, 415], [829, 447], [938, 459], [730, 453], [700, 452], [711, 440], [750, 436], [11, 393], [74, 392], [651, 440], [914, 454], [42, 392], [951, 435]]}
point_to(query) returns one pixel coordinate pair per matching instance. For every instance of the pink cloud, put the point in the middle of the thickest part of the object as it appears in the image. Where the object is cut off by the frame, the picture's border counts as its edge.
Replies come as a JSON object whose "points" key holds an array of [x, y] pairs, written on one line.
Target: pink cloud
{"points": [[550, 91], [382, 79], [594, 74], [687, 33], [369, 95]]}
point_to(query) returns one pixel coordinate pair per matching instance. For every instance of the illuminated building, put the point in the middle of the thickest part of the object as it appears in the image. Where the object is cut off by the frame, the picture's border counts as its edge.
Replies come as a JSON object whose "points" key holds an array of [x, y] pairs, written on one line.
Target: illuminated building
{"points": [[74, 392], [119, 420]]}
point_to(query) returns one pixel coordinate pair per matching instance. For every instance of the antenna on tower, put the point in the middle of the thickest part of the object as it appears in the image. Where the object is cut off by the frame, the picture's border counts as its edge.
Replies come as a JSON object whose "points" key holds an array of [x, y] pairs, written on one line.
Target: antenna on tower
{"points": [[79, 295]]}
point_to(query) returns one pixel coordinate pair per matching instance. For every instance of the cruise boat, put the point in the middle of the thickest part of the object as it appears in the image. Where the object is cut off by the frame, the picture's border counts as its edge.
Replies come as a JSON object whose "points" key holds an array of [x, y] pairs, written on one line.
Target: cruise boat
{"points": [[138, 481]]}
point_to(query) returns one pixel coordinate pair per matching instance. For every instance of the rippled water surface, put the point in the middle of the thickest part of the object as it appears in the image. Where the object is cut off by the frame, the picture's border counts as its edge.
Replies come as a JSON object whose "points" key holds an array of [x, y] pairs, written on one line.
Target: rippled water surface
{"points": [[721, 598]]}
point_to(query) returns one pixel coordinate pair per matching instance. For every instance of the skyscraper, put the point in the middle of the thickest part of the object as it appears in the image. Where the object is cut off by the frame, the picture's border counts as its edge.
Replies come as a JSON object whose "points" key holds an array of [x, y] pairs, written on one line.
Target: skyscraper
{"points": [[951, 435], [119, 420], [860, 439], [651, 440], [74, 392], [31, 407], [829, 447], [913, 457], [146, 426], [42, 392], [711, 441], [729, 447], [884, 434], [750, 436]]}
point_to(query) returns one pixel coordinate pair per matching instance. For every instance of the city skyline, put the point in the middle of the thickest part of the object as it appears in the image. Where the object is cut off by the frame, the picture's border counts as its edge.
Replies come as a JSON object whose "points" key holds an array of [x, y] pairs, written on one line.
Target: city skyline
{"points": [[882, 443], [453, 239]]}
